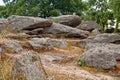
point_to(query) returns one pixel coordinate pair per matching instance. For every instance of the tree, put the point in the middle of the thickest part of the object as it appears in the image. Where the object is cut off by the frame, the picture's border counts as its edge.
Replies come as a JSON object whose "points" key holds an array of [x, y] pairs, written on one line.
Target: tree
{"points": [[115, 6], [98, 10], [44, 8]]}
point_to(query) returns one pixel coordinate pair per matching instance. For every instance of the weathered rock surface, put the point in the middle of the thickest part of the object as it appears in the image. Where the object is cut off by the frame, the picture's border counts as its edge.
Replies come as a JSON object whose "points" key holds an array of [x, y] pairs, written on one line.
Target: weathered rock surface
{"points": [[24, 22], [28, 66], [18, 36], [84, 42], [58, 43], [37, 31], [101, 38], [66, 30], [115, 49], [3, 23], [99, 58], [88, 25], [107, 38], [12, 46], [40, 43], [69, 20], [95, 32], [46, 43]]}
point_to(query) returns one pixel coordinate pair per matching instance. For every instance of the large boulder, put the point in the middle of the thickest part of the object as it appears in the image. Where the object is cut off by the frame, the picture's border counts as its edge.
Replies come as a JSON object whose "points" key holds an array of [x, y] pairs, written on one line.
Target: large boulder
{"points": [[59, 29], [115, 49], [99, 58], [25, 22], [46, 43], [69, 20], [3, 23], [88, 25], [28, 66], [107, 38]]}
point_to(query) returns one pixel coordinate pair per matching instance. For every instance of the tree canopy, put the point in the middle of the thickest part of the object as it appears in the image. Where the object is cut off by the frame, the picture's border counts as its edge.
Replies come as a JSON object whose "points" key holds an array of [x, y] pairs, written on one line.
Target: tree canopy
{"points": [[97, 10]]}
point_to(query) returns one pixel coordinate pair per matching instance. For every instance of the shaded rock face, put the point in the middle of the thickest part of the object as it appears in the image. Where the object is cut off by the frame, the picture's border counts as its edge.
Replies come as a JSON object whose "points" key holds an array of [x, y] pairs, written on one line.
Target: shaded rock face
{"points": [[66, 30], [99, 58], [107, 38], [88, 25], [37, 31], [69, 20], [24, 22], [18, 36], [12, 46], [28, 66], [46, 43]]}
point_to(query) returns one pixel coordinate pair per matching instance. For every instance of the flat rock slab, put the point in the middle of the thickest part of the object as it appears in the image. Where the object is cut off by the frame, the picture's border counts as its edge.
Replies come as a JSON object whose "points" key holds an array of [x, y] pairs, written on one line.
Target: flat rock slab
{"points": [[46, 43], [69, 20], [67, 31], [25, 22]]}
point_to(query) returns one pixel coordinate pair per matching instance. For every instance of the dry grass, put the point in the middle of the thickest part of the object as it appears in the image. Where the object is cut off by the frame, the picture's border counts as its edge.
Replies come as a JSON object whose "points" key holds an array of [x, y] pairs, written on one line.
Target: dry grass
{"points": [[5, 66]]}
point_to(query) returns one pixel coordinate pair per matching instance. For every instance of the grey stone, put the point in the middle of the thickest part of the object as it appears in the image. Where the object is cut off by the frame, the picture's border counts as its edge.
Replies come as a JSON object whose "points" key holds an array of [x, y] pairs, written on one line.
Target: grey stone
{"points": [[46, 43], [99, 58], [58, 43], [40, 43], [18, 36], [95, 32], [12, 46], [69, 20], [25, 22], [3, 23], [88, 25], [107, 37], [66, 30], [114, 48], [28, 66]]}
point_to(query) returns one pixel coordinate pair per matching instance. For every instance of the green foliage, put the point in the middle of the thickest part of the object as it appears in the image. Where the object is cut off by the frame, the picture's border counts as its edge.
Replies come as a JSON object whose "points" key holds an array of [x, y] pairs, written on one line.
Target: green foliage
{"points": [[42, 8], [115, 6], [55, 20], [98, 10], [1, 79], [81, 62]]}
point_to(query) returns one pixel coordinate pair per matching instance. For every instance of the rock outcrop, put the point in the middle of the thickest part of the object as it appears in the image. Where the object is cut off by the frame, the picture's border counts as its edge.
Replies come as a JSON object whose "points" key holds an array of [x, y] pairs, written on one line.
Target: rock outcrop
{"points": [[70, 32], [88, 25], [46, 43], [28, 66], [18, 36], [107, 38], [99, 58], [25, 22], [69, 20], [115, 49]]}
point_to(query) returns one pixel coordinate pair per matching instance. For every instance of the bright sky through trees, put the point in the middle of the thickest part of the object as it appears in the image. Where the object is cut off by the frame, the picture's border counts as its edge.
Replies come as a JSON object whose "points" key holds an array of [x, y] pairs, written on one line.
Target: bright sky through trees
{"points": [[1, 2]]}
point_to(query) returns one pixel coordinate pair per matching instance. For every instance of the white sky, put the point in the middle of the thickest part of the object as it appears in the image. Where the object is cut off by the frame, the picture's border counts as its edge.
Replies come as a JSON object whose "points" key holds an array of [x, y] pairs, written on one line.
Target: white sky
{"points": [[1, 2]]}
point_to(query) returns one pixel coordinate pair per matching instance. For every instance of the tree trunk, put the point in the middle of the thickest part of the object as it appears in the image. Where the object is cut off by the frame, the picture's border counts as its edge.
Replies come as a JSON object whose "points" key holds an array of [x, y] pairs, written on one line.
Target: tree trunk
{"points": [[116, 27]]}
